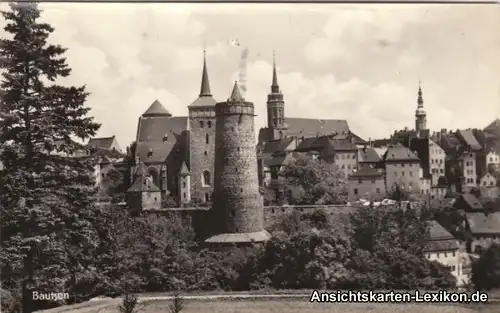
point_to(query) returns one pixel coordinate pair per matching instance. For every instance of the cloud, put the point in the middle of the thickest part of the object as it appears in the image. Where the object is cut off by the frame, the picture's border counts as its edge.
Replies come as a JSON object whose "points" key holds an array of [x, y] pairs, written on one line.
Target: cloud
{"points": [[358, 62]]}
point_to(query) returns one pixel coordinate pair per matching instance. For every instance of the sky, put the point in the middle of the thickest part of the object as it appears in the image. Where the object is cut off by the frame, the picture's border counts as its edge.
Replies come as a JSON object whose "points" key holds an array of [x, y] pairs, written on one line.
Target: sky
{"points": [[359, 62]]}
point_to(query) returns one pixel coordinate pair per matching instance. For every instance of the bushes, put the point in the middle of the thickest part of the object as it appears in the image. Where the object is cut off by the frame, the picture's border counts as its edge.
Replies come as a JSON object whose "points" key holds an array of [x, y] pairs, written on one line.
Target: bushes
{"points": [[486, 270]]}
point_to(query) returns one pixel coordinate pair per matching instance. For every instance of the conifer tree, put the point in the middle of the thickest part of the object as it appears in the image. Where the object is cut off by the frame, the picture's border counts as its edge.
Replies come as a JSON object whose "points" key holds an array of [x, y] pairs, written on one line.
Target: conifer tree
{"points": [[47, 197]]}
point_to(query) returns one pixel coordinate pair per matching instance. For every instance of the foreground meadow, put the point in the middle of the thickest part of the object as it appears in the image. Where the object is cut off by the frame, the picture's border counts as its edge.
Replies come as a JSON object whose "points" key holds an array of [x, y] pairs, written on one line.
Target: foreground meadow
{"points": [[286, 306]]}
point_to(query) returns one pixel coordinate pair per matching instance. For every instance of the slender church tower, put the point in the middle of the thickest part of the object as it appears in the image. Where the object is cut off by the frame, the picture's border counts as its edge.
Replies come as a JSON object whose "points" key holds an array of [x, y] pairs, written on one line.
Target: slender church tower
{"points": [[276, 108], [238, 205], [420, 114], [201, 140]]}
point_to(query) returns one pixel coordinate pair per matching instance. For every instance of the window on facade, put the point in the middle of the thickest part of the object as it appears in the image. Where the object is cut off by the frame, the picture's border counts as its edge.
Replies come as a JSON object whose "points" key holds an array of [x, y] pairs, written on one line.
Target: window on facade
{"points": [[348, 166], [373, 181], [355, 191], [343, 166], [378, 190], [207, 197], [184, 195], [445, 254], [207, 139], [337, 156], [209, 124], [231, 213], [353, 156], [360, 181], [205, 153], [202, 124], [206, 179], [453, 253], [437, 255], [395, 173], [183, 184], [343, 156]]}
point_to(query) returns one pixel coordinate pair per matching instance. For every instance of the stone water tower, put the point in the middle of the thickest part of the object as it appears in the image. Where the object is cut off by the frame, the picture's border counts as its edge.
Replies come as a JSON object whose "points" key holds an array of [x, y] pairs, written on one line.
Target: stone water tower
{"points": [[238, 205]]}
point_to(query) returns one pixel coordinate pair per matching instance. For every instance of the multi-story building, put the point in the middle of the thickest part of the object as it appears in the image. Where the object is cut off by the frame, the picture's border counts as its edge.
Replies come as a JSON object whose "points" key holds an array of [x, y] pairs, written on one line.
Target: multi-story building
{"points": [[444, 248], [484, 229], [367, 183], [368, 157], [402, 168], [432, 156], [346, 156]]}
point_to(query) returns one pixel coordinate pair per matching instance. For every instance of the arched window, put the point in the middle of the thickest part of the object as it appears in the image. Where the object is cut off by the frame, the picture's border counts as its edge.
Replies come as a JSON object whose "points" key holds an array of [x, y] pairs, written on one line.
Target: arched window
{"points": [[154, 175], [207, 138], [206, 179]]}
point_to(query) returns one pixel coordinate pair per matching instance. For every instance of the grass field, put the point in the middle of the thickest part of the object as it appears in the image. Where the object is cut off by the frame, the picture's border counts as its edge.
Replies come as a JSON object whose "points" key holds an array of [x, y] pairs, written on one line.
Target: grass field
{"points": [[290, 306]]}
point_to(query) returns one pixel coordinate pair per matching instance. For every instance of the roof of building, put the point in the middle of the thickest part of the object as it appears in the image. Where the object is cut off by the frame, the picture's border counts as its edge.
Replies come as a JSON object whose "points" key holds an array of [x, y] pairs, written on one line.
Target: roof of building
{"points": [[358, 140], [481, 223], [440, 239], [156, 109], [471, 201], [468, 139], [308, 127], [236, 94], [343, 145], [368, 155], [142, 184], [399, 153], [157, 136], [493, 128], [141, 169], [366, 172], [277, 145], [184, 170], [308, 144], [101, 143], [275, 161], [240, 237]]}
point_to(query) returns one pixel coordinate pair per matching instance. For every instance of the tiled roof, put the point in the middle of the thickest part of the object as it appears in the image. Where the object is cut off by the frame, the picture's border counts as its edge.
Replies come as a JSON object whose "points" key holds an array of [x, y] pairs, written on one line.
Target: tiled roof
{"points": [[468, 138], [343, 145], [311, 127], [156, 109], [358, 140], [440, 239], [157, 136], [308, 144], [142, 184], [240, 237], [277, 145], [366, 172], [184, 170], [368, 155], [204, 101], [481, 223], [471, 201], [275, 161], [141, 170], [493, 128], [399, 153], [101, 143]]}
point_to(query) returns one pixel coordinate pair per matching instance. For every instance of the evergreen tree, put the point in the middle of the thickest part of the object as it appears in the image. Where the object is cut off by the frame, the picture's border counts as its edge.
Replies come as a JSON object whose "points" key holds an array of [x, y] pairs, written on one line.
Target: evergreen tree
{"points": [[47, 198]]}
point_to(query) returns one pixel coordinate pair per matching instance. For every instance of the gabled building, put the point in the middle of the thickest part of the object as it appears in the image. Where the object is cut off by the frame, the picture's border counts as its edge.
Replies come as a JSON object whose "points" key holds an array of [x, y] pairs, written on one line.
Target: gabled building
{"points": [[143, 194], [432, 157], [483, 229], [444, 248], [368, 184], [368, 157], [402, 168]]}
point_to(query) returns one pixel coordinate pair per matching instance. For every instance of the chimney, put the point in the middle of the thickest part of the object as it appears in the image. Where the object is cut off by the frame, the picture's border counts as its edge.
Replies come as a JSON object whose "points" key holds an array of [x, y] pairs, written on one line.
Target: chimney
{"points": [[369, 141]]}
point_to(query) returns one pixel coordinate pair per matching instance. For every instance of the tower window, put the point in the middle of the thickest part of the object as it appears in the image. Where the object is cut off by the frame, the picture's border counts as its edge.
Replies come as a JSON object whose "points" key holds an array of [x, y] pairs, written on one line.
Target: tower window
{"points": [[183, 184], [207, 139], [209, 124], [201, 124], [184, 195], [206, 178]]}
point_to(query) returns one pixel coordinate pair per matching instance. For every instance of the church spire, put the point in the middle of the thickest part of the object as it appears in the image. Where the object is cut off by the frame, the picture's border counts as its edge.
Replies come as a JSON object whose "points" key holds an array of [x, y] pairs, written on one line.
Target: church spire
{"points": [[205, 84], [275, 88], [420, 100]]}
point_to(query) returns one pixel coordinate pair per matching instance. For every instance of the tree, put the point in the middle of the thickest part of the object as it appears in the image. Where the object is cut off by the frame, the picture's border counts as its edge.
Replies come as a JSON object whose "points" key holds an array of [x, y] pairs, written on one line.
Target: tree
{"points": [[47, 199], [307, 181], [486, 270]]}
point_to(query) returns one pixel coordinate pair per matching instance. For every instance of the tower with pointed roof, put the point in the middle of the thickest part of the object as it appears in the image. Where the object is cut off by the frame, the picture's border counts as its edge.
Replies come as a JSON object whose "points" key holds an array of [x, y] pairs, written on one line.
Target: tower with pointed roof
{"points": [[238, 204], [184, 177], [276, 108], [420, 114], [143, 194], [202, 140]]}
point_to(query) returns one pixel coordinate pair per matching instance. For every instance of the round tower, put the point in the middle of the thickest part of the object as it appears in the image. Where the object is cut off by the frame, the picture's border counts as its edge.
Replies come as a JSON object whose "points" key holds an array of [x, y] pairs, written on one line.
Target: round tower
{"points": [[238, 204]]}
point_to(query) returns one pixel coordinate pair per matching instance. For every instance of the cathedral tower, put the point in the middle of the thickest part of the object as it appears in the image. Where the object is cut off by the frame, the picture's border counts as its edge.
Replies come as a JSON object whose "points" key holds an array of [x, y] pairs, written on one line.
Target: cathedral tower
{"points": [[420, 114], [276, 108], [201, 140], [238, 204]]}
